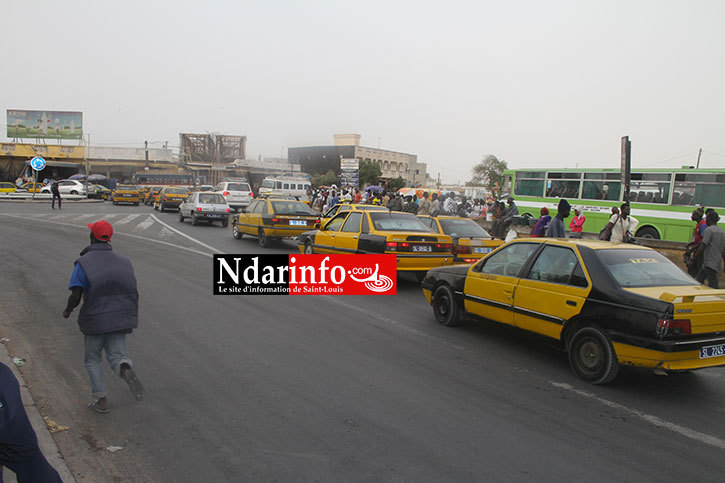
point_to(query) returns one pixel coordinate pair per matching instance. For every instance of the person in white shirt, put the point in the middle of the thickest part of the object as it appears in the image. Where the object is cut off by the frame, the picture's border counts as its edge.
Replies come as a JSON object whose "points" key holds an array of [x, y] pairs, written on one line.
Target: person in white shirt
{"points": [[622, 226]]}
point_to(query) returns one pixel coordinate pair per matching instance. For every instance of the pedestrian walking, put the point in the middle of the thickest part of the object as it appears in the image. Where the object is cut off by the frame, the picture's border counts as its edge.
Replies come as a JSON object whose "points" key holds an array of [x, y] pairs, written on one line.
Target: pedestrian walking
{"points": [[541, 224], [576, 225], [556, 227], [621, 227], [424, 205], [107, 283], [712, 250], [55, 190], [19, 450]]}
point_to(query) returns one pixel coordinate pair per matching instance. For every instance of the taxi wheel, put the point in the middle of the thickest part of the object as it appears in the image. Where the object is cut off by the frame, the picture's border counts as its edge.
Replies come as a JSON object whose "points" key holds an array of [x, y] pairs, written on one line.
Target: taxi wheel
{"points": [[592, 356], [225, 223], [445, 307], [181, 217], [308, 248], [194, 220], [264, 240], [236, 233]]}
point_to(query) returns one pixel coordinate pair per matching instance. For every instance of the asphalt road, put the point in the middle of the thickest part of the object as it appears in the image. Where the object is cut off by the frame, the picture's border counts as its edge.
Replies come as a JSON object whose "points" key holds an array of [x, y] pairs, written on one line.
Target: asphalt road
{"points": [[324, 388]]}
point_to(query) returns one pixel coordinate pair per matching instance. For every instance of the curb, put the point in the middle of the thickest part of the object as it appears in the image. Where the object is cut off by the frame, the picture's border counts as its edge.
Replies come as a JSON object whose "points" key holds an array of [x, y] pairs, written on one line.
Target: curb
{"points": [[45, 439]]}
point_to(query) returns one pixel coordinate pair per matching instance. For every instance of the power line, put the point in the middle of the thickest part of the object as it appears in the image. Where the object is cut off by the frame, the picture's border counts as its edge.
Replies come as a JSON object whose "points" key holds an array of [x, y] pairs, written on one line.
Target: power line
{"points": [[671, 159]]}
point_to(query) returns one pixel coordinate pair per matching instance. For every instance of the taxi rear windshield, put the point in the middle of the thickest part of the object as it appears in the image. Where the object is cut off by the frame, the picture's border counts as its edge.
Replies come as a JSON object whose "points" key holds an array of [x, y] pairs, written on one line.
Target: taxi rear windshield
{"points": [[397, 222], [212, 198], [177, 191], [463, 228], [291, 208], [643, 268]]}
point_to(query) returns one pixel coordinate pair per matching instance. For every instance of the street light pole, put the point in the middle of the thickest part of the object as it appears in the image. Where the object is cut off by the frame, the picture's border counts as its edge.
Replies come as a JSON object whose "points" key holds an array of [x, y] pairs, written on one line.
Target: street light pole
{"points": [[88, 163]]}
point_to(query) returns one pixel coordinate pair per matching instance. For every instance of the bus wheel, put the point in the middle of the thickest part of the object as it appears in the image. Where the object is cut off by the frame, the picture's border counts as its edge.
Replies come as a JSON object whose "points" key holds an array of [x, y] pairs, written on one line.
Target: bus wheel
{"points": [[647, 232]]}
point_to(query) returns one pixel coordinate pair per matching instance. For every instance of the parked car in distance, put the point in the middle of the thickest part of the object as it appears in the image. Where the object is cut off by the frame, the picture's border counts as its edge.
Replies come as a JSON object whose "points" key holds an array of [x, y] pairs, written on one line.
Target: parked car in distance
{"points": [[8, 187], [98, 191], [126, 193], [205, 187], [205, 206], [238, 194], [67, 187], [32, 187]]}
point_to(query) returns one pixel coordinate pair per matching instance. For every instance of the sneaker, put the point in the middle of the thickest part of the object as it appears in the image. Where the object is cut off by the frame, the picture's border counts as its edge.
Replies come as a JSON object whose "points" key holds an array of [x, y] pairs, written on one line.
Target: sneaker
{"points": [[100, 405], [129, 375]]}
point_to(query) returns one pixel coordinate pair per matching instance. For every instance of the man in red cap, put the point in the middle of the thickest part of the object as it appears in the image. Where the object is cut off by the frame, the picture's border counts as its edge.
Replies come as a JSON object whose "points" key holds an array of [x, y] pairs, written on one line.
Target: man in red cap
{"points": [[107, 284]]}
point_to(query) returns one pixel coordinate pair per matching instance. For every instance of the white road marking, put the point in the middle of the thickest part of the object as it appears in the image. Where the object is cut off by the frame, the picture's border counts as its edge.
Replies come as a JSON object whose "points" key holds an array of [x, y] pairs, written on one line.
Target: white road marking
{"points": [[152, 240], [83, 217], [126, 219], [654, 420], [145, 224], [186, 236]]}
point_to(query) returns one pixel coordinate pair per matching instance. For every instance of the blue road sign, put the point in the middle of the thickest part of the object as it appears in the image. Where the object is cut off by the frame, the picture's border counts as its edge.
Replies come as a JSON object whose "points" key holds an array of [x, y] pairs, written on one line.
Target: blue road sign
{"points": [[37, 163]]}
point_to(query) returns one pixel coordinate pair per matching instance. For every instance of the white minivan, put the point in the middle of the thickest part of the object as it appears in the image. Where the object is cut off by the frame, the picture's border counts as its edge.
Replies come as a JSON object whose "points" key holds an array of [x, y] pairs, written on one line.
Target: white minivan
{"points": [[237, 193]]}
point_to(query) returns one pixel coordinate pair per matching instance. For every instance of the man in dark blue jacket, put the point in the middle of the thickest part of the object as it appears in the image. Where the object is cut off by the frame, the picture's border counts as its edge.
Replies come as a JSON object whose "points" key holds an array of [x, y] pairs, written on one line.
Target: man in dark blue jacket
{"points": [[107, 284]]}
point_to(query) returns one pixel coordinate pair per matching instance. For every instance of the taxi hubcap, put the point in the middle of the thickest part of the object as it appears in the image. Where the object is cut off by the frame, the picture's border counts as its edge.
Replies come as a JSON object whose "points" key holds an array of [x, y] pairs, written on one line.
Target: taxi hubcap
{"points": [[590, 355]]}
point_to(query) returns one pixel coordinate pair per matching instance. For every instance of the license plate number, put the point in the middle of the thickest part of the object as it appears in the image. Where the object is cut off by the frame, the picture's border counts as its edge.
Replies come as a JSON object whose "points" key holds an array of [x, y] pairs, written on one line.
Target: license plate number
{"points": [[481, 249], [213, 216], [712, 351], [421, 248], [298, 222]]}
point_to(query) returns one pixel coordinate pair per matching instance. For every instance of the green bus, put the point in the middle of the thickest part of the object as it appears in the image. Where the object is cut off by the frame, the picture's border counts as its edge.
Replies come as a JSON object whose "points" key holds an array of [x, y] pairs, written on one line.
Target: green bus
{"points": [[661, 200]]}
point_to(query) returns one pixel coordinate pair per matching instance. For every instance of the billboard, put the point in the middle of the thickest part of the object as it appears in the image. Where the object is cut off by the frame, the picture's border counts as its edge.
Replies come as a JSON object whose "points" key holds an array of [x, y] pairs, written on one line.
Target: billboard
{"points": [[349, 172], [44, 124]]}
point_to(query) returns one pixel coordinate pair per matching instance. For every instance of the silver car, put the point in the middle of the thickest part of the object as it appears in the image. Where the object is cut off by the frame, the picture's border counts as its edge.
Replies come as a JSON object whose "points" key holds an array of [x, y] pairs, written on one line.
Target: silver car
{"points": [[205, 206], [237, 193]]}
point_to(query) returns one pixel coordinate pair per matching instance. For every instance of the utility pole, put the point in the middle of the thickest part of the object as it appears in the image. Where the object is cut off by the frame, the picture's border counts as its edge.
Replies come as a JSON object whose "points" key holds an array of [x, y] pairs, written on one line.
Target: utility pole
{"points": [[699, 153], [146, 148], [626, 166], [88, 163]]}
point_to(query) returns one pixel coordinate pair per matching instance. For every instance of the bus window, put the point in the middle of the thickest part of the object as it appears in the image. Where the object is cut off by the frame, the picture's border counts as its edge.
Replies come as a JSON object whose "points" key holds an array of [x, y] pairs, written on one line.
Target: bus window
{"points": [[285, 186], [563, 185], [529, 183], [278, 185], [268, 183], [601, 186], [706, 189], [650, 188]]}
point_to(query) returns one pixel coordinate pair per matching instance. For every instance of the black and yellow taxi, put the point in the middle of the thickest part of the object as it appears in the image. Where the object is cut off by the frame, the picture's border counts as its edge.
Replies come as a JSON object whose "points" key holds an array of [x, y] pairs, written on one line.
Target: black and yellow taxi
{"points": [[371, 231], [340, 207], [170, 198], [98, 191], [606, 304], [126, 193], [470, 241], [8, 187], [273, 218], [32, 187], [151, 195]]}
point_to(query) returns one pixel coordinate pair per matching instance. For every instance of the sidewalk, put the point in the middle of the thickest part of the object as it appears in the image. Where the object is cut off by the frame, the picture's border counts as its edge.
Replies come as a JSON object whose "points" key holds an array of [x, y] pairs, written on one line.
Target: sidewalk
{"points": [[45, 440]]}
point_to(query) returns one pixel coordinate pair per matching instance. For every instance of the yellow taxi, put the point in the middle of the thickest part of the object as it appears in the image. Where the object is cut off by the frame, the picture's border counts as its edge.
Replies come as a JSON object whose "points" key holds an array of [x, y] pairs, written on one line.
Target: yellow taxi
{"points": [[151, 195], [470, 240], [340, 207], [606, 304], [381, 231], [125, 193], [271, 218], [170, 197], [8, 187], [32, 187]]}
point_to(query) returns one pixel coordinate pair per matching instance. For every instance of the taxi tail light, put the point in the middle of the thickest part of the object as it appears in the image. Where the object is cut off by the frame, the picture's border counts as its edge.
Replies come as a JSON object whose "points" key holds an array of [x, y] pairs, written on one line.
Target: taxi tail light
{"points": [[668, 327], [391, 246], [226, 193], [470, 260], [275, 220], [227, 210], [461, 249], [198, 208], [445, 246], [251, 195], [317, 220]]}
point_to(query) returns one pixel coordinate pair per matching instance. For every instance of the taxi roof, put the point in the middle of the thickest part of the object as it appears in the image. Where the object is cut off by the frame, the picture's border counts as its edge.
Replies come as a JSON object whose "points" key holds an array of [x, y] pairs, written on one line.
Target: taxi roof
{"points": [[593, 244], [354, 207]]}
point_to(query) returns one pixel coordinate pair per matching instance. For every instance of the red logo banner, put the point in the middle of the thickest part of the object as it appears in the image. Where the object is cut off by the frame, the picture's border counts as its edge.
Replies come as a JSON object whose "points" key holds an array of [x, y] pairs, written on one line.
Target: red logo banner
{"points": [[342, 275]]}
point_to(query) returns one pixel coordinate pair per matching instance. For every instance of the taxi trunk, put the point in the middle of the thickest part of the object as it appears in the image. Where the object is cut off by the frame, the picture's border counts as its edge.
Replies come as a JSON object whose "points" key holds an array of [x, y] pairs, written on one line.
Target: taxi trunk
{"points": [[288, 225], [471, 250], [420, 251]]}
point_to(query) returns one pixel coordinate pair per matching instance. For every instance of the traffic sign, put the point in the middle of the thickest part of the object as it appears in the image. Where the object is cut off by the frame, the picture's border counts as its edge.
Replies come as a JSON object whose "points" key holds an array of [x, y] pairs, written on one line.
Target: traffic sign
{"points": [[37, 163]]}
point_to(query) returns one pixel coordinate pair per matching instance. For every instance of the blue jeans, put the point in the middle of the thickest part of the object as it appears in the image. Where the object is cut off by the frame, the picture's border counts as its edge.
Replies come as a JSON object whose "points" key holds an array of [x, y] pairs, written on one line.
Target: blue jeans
{"points": [[115, 345]]}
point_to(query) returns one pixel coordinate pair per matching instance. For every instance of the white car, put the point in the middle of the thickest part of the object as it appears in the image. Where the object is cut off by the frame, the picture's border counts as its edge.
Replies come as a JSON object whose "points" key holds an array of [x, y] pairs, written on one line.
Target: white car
{"points": [[206, 206], [67, 187], [237, 193]]}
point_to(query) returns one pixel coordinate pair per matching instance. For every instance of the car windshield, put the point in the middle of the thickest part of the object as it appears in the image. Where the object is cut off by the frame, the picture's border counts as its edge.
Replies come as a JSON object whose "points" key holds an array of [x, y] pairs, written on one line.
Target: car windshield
{"points": [[238, 187], [211, 198], [643, 268], [463, 228], [393, 221], [177, 191], [291, 208]]}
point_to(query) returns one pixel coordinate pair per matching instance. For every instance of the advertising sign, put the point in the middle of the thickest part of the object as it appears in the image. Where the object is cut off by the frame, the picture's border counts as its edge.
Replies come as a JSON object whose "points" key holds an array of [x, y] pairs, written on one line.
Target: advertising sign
{"points": [[305, 274], [44, 124], [349, 172]]}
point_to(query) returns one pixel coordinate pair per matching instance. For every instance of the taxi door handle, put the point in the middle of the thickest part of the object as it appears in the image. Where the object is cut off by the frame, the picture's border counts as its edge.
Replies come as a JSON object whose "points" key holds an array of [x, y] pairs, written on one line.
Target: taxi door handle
{"points": [[571, 302], [332, 235], [355, 237]]}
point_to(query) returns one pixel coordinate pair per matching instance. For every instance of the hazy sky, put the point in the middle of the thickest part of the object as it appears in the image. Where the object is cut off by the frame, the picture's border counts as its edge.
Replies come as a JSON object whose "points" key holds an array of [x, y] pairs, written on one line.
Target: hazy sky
{"points": [[537, 83]]}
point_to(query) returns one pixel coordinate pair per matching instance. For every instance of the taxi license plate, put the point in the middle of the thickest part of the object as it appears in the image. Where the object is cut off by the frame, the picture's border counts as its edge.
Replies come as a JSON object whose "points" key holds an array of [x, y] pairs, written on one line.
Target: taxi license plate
{"points": [[712, 351], [213, 216], [481, 249], [421, 248], [298, 222]]}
